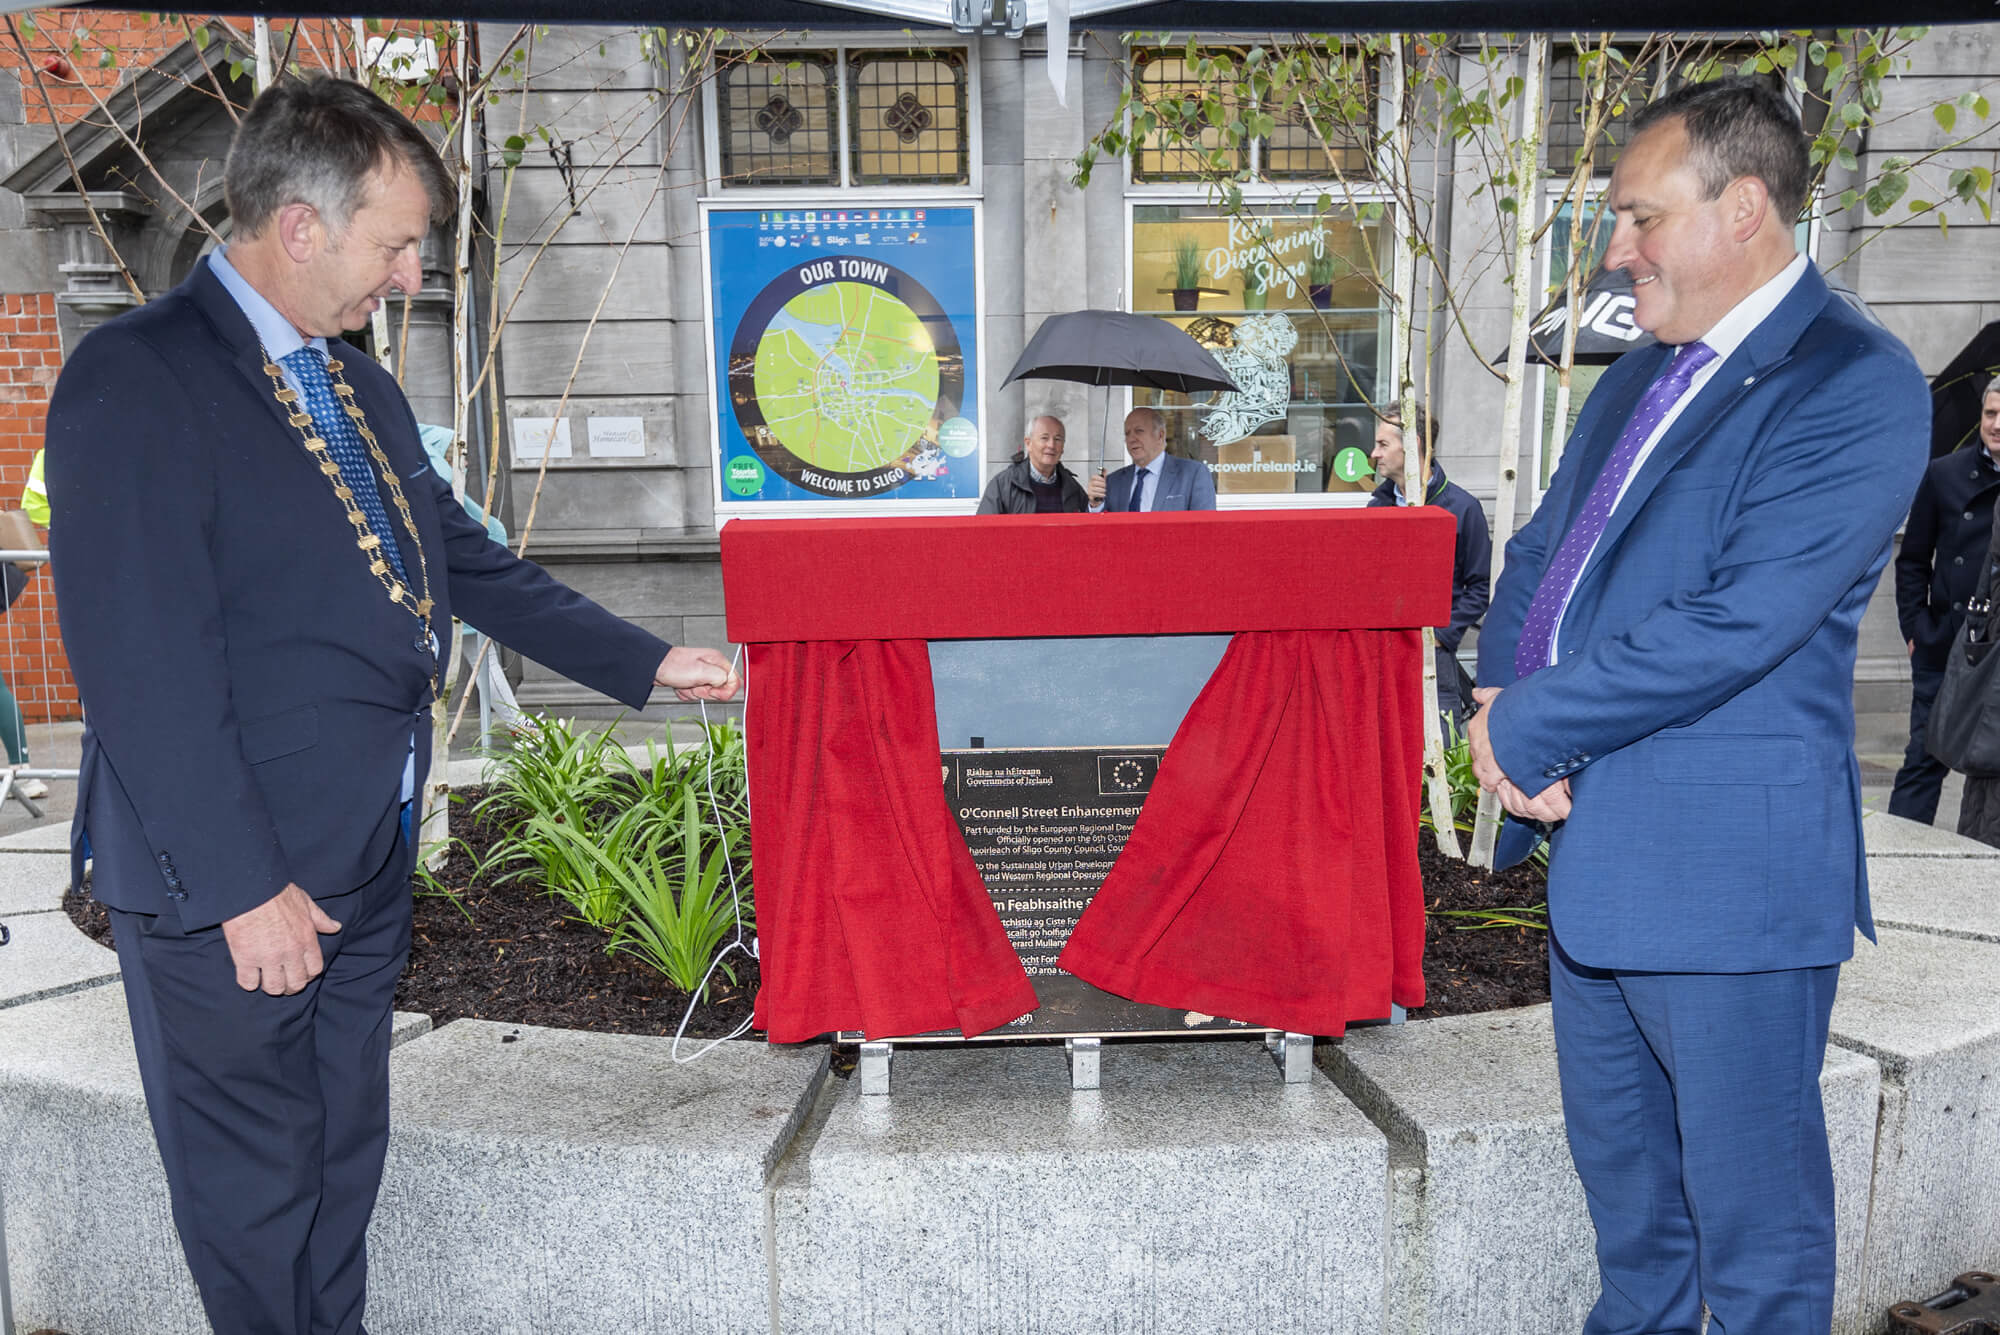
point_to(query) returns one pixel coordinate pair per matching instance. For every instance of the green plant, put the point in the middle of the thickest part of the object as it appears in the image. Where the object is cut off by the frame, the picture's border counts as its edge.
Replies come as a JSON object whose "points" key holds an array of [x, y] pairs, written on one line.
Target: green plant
{"points": [[672, 906], [1535, 918], [1187, 262], [678, 916], [426, 884], [1322, 269], [552, 776]]}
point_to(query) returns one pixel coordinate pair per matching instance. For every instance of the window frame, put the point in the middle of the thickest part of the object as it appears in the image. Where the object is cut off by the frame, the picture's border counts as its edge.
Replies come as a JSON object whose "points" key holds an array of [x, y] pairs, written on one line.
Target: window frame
{"points": [[716, 190], [1133, 53], [1283, 194]]}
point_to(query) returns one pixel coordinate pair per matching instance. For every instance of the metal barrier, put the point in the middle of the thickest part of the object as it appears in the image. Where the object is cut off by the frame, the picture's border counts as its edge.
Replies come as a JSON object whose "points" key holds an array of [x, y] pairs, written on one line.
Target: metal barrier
{"points": [[32, 637]]}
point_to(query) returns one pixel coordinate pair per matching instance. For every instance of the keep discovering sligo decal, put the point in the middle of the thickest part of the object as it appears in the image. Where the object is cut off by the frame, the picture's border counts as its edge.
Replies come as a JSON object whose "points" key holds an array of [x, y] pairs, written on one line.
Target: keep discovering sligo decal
{"points": [[846, 365]]}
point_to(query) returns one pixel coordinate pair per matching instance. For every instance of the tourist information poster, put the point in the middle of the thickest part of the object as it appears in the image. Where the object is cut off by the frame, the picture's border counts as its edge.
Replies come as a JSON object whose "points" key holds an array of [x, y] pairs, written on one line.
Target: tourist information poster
{"points": [[845, 348]]}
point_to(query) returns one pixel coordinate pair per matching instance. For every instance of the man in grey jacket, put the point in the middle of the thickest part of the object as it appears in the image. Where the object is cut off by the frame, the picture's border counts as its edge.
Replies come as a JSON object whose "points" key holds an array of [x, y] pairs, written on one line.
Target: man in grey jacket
{"points": [[1036, 482]]}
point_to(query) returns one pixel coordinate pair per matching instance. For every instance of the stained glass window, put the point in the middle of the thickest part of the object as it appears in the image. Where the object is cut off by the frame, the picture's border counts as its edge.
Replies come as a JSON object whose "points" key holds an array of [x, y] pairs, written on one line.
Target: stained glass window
{"points": [[777, 120], [907, 120]]}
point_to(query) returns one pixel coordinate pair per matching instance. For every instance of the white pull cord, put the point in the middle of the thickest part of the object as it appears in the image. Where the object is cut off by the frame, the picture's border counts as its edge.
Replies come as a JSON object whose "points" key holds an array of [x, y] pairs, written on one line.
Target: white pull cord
{"points": [[735, 894]]}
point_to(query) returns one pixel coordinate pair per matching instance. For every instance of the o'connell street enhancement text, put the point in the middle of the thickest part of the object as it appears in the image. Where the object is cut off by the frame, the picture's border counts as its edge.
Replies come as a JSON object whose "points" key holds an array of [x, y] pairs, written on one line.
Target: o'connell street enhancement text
{"points": [[1044, 827]]}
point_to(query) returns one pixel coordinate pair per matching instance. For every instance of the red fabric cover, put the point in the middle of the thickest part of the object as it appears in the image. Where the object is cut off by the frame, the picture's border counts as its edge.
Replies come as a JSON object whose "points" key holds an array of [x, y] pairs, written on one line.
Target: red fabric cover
{"points": [[870, 912], [852, 579], [1272, 876]]}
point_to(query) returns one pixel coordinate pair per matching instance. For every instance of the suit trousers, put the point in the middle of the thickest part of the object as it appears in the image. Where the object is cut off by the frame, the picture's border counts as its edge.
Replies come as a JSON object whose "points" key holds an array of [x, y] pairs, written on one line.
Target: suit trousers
{"points": [[1693, 1109], [272, 1113], [1920, 782]]}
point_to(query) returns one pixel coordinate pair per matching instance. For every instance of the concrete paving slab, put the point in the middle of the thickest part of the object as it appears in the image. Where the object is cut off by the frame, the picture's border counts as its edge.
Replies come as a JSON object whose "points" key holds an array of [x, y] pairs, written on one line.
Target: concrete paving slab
{"points": [[1194, 1192], [1884, 835], [1946, 897], [48, 837], [48, 957], [32, 883], [547, 1181], [1491, 1230], [1922, 1006]]}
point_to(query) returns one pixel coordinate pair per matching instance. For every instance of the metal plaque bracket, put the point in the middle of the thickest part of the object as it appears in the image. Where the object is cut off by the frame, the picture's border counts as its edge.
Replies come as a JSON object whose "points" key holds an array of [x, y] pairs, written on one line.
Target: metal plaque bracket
{"points": [[1082, 1054], [1294, 1055], [874, 1069]]}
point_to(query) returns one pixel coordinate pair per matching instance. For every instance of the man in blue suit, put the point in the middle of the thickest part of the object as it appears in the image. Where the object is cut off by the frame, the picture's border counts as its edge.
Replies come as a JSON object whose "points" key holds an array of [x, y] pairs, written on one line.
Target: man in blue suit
{"points": [[257, 569], [1668, 670], [1154, 480]]}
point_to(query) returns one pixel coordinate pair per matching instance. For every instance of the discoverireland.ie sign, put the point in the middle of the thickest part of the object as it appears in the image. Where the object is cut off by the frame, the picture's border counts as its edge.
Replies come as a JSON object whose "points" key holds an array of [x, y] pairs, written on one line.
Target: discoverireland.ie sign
{"points": [[845, 354]]}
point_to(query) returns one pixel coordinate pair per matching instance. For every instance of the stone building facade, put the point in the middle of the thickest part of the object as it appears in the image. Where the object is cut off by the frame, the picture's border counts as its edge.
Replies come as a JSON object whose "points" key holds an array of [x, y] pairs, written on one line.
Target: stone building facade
{"points": [[650, 206]]}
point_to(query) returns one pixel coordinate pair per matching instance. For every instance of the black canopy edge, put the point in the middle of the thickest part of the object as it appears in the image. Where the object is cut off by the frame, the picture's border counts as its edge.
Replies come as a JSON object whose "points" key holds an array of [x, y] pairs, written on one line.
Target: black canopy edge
{"points": [[1237, 16]]}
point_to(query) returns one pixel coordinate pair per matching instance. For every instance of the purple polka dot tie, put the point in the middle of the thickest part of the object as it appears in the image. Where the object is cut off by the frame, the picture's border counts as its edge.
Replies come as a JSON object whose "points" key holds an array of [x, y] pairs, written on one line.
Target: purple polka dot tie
{"points": [[1538, 631]]}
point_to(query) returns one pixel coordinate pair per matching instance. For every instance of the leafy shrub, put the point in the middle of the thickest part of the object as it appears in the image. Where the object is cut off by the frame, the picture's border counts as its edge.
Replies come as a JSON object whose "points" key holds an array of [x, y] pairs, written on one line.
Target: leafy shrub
{"points": [[642, 850]]}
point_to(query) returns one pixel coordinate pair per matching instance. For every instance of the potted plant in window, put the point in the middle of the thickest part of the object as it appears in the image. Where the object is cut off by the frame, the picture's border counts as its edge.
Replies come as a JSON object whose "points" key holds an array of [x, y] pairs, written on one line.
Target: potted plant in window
{"points": [[1187, 273], [1321, 270], [1254, 287]]}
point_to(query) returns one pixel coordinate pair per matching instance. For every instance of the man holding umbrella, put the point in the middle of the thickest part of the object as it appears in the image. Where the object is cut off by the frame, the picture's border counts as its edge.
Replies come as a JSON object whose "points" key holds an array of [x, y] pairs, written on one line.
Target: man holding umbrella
{"points": [[1120, 348], [1154, 480]]}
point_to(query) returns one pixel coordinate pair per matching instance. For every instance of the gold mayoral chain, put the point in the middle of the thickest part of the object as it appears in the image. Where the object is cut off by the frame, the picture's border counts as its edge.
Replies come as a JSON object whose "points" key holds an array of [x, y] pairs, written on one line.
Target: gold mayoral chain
{"points": [[364, 537]]}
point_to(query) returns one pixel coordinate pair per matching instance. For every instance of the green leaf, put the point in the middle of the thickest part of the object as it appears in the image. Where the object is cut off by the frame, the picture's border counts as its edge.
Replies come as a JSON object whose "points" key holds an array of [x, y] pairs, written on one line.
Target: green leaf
{"points": [[1887, 189], [510, 155], [1845, 157], [1852, 115], [200, 37], [1944, 114], [107, 59], [1980, 107]]}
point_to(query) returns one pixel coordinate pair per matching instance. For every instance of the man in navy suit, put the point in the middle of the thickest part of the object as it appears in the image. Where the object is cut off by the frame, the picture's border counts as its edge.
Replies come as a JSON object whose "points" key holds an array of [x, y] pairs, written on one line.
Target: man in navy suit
{"points": [[257, 569], [1154, 480], [1668, 670]]}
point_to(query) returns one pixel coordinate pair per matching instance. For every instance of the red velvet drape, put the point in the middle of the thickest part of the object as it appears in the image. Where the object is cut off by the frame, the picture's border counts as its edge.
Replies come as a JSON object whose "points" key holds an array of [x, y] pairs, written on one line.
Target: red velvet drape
{"points": [[870, 912], [1272, 877]]}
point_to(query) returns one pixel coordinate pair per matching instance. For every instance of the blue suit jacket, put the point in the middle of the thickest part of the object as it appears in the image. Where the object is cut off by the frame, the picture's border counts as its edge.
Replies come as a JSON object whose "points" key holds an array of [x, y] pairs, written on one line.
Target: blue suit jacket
{"points": [[1184, 484], [1702, 707], [249, 687]]}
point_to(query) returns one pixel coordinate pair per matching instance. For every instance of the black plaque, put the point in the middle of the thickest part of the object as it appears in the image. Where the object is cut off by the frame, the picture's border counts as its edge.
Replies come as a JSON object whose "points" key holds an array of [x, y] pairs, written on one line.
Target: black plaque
{"points": [[1044, 825]]}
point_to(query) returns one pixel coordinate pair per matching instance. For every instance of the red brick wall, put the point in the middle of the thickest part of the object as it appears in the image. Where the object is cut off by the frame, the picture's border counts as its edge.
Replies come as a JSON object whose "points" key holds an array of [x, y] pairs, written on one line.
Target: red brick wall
{"points": [[31, 655], [77, 41]]}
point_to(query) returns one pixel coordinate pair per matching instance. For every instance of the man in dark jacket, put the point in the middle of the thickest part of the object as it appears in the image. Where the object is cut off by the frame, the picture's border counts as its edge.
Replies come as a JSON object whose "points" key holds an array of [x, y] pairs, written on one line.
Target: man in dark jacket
{"points": [[1936, 569], [1036, 482], [1472, 562]]}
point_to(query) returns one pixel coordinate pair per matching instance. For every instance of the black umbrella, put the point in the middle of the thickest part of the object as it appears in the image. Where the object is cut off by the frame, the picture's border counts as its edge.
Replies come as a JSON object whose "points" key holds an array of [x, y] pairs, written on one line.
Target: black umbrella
{"points": [[1114, 348], [1956, 391], [1606, 331]]}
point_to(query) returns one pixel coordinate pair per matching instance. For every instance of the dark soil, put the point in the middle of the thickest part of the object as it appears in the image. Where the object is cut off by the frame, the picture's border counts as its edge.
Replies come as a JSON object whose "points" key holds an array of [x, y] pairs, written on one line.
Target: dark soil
{"points": [[511, 954], [1489, 969]]}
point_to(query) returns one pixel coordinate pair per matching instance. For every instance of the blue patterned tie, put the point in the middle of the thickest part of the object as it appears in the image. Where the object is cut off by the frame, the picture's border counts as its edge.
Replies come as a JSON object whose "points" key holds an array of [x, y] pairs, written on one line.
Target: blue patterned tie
{"points": [[1538, 630], [1139, 490], [343, 442]]}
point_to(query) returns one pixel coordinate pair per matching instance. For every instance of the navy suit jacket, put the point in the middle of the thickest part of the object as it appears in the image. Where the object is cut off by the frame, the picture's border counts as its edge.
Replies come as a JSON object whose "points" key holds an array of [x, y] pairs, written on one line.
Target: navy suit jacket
{"points": [[1702, 708], [250, 689], [1184, 484]]}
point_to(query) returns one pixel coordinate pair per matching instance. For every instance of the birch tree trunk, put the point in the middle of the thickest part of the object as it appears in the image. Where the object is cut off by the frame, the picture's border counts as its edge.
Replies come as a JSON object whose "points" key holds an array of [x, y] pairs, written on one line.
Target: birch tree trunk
{"points": [[1527, 158], [435, 837], [1416, 448]]}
